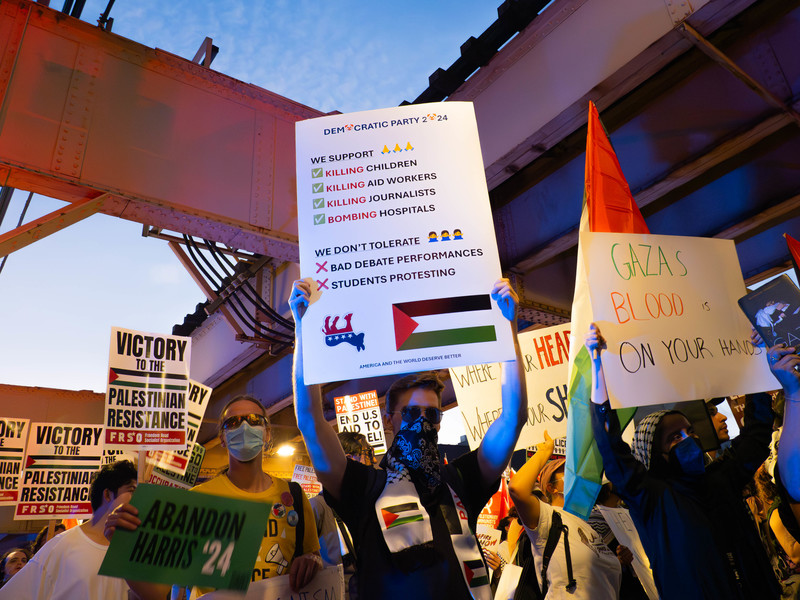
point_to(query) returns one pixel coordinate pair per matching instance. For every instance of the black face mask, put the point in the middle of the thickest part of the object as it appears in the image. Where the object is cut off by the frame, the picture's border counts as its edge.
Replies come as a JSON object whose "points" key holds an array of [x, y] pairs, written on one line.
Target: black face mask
{"points": [[688, 456], [416, 447]]}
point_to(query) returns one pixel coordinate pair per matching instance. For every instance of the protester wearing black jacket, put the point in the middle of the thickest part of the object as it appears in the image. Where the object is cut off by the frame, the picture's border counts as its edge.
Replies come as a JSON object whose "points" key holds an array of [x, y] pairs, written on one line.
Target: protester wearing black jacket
{"points": [[693, 523]]}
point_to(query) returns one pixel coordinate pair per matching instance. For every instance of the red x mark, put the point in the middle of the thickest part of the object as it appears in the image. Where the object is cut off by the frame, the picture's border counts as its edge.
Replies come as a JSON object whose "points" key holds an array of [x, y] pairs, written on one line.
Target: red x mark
{"points": [[321, 267], [321, 285]]}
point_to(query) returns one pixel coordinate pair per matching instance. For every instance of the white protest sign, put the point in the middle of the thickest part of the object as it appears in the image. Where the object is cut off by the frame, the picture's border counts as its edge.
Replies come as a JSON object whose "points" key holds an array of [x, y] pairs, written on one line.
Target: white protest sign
{"points": [[361, 413], [307, 478], [621, 524], [397, 240], [146, 394], [13, 434], [478, 390], [111, 456], [58, 469], [328, 584], [509, 580], [170, 478], [667, 307], [489, 537], [176, 461]]}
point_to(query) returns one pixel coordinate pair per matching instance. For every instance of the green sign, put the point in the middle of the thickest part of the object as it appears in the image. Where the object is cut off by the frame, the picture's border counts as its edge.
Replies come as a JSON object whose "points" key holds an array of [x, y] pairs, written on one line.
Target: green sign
{"points": [[188, 538]]}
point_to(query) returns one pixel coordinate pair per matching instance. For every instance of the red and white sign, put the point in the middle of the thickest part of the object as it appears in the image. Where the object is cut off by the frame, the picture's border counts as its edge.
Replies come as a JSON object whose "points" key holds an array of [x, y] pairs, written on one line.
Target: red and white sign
{"points": [[545, 354], [362, 413], [58, 470], [307, 478], [148, 377], [176, 461], [13, 433]]}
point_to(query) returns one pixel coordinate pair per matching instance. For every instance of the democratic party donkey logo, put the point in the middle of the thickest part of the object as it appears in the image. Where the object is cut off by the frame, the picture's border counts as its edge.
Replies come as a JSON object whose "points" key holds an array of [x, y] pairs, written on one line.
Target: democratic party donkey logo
{"points": [[335, 336]]}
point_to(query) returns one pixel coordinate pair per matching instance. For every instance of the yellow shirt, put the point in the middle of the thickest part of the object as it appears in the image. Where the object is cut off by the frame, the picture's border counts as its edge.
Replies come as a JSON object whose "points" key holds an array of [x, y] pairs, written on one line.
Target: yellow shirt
{"points": [[277, 547]]}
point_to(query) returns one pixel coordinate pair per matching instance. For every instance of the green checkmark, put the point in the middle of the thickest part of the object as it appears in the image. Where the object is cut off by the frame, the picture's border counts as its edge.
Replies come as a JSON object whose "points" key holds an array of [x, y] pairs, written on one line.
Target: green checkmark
{"points": [[319, 219], [316, 172], [319, 202], [317, 188]]}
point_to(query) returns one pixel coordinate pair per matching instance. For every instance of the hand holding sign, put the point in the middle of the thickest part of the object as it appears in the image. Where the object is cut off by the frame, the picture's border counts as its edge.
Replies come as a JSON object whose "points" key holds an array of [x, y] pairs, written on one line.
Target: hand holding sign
{"points": [[595, 342], [304, 293], [125, 516], [212, 541], [506, 298], [303, 570], [782, 362]]}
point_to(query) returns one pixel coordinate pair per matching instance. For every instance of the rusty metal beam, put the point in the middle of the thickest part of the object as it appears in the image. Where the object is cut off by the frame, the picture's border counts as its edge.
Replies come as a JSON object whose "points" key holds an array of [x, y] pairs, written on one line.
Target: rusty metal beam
{"points": [[203, 285], [179, 146], [50, 223]]}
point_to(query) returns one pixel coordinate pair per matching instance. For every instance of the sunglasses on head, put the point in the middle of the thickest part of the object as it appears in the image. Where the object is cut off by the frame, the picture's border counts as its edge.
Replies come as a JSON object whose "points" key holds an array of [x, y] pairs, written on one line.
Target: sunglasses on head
{"points": [[253, 419], [412, 413]]}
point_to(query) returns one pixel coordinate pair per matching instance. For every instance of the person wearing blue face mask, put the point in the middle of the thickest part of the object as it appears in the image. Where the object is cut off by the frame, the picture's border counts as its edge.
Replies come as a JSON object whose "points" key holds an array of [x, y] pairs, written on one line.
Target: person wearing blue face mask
{"points": [[245, 433], [413, 520], [694, 525]]}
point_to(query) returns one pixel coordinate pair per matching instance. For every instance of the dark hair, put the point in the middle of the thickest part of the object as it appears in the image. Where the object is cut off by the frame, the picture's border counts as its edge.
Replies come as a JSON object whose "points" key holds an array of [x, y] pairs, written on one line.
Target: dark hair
{"points": [[41, 537], [427, 380], [8, 553], [503, 525], [352, 442], [237, 398], [111, 477], [604, 494]]}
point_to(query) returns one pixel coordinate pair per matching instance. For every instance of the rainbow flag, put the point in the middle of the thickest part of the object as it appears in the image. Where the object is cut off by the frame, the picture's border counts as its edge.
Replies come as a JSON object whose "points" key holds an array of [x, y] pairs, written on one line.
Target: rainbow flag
{"points": [[608, 206]]}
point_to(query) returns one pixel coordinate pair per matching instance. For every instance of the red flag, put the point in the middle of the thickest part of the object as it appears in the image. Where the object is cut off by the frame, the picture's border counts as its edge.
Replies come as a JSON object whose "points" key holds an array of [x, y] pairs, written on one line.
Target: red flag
{"points": [[498, 506], [794, 250], [608, 198]]}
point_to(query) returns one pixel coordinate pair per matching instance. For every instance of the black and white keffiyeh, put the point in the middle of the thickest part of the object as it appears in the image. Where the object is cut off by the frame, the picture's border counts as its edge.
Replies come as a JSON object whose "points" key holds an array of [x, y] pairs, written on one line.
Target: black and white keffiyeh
{"points": [[644, 436]]}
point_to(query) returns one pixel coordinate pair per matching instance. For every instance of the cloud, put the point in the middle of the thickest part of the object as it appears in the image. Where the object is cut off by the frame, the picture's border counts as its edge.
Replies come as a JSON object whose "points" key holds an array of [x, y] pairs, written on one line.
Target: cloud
{"points": [[167, 274]]}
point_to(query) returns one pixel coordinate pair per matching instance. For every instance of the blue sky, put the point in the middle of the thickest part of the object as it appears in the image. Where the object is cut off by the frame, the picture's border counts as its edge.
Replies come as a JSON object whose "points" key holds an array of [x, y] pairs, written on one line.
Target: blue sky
{"points": [[61, 296]]}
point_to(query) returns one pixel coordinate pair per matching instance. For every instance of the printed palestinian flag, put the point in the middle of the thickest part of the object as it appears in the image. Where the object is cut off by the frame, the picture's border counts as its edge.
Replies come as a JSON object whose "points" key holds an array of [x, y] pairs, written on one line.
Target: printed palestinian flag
{"points": [[400, 514], [442, 321], [608, 206], [475, 572], [149, 380]]}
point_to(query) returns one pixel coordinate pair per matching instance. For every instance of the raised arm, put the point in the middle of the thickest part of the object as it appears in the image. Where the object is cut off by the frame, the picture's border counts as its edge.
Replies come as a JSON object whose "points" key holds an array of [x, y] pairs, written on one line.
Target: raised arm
{"points": [[524, 481], [498, 444], [783, 361], [627, 474], [323, 446]]}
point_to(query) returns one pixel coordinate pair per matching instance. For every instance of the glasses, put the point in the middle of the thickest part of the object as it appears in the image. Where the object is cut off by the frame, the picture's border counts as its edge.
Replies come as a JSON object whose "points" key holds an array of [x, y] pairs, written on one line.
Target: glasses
{"points": [[252, 419], [412, 413]]}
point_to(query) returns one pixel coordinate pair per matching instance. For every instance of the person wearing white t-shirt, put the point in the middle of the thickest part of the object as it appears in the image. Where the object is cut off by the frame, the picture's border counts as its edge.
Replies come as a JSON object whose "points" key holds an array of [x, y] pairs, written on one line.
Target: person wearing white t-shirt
{"points": [[66, 567], [593, 571]]}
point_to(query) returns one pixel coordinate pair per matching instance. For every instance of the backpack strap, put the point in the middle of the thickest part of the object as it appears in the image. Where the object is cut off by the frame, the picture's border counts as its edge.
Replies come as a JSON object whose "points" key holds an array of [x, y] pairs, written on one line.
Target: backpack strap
{"points": [[348, 541], [300, 528], [549, 547], [571, 583], [556, 528]]}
